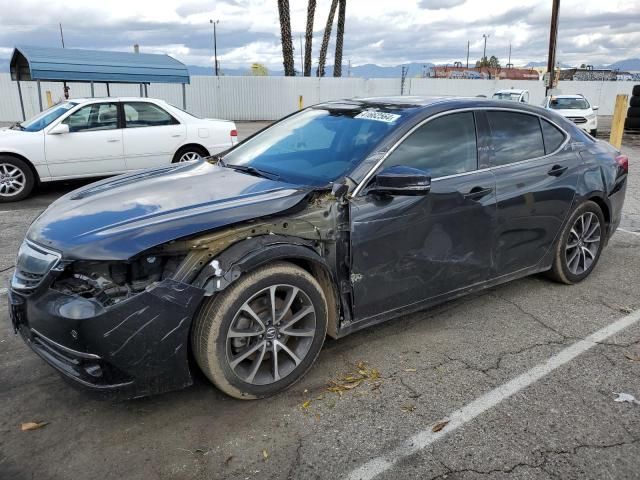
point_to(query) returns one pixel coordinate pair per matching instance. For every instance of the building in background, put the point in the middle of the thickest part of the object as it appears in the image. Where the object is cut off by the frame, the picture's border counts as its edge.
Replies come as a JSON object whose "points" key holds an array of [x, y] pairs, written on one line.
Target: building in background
{"points": [[446, 71]]}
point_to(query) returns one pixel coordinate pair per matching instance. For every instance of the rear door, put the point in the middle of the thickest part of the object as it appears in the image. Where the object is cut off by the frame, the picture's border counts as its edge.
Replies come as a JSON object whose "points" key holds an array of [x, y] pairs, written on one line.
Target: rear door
{"points": [[151, 135], [93, 145], [536, 177]]}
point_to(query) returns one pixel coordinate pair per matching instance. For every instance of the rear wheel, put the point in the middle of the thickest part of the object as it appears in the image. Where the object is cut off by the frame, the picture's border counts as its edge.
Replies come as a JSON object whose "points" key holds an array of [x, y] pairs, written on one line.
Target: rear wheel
{"points": [[189, 154], [579, 247], [16, 179], [263, 333], [594, 132]]}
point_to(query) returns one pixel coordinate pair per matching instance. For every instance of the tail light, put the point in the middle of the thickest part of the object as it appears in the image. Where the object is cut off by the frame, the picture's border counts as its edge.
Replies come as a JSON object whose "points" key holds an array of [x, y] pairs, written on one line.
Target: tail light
{"points": [[234, 133], [623, 163]]}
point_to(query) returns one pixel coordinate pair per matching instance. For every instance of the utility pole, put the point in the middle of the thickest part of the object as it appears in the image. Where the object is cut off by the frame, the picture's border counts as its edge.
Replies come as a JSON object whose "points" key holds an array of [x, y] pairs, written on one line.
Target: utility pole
{"points": [[468, 53], [553, 38], [215, 45], [484, 52], [509, 62], [61, 35], [65, 89]]}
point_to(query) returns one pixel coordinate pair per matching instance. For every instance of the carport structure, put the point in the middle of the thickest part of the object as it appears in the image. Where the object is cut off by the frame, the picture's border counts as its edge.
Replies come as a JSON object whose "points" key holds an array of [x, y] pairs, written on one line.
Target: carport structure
{"points": [[38, 64]]}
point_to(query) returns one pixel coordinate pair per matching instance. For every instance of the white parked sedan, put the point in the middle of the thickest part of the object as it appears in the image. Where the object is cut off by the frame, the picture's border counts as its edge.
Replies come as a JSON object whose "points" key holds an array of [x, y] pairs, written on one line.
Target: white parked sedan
{"points": [[103, 136]]}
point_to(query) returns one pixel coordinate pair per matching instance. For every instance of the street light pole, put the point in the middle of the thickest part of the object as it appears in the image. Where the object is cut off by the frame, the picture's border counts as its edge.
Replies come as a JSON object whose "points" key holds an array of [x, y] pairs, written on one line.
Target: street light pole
{"points": [[215, 45]]}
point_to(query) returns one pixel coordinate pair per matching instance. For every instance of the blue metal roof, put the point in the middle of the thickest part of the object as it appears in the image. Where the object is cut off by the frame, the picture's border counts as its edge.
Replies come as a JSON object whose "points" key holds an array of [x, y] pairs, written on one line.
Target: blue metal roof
{"points": [[75, 65]]}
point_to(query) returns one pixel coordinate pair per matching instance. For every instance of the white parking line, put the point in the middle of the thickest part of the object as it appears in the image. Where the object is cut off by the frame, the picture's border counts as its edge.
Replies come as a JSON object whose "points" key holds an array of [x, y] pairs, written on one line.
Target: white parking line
{"points": [[3, 291], [629, 231], [457, 419]]}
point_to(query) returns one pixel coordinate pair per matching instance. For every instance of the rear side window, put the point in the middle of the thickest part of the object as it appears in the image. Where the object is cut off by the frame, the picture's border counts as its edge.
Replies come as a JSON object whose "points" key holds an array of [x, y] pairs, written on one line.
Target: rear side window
{"points": [[444, 146], [515, 137], [143, 114], [553, 137]]}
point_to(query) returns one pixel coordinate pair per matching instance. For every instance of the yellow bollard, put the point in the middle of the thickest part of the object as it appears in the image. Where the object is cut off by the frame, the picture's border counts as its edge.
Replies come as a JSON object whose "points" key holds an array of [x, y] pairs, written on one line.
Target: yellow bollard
{"points": [[617, 124], [300, 102], [49, 99]]}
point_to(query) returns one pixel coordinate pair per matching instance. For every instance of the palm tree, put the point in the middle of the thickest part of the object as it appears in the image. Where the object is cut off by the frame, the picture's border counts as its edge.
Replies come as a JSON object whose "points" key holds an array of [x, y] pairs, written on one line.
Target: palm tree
{"points": [[325, 39], [285, 36], [308, 38], [337, 64]]}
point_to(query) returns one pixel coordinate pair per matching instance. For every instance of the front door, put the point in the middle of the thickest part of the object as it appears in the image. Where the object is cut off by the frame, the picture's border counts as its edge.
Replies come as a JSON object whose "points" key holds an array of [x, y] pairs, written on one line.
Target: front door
{"points": [[93, 145], [408, 249], [536, 178]]}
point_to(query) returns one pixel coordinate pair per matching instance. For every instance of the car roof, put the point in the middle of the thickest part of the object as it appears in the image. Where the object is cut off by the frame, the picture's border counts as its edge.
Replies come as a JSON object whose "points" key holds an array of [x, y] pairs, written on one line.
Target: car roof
{"points": [[567, 96], [115, 99], [511, 90]]}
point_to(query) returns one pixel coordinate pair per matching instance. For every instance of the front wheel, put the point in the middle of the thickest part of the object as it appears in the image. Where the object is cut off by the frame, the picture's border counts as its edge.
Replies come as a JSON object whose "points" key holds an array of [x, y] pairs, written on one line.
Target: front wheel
{"points": [[579, 247], [263, 333], [16, 179]]}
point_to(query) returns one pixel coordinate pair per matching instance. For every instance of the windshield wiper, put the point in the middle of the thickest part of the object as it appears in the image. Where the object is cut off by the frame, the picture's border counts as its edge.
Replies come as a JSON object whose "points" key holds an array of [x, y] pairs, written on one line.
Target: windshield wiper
{"points": [[251, 170]]}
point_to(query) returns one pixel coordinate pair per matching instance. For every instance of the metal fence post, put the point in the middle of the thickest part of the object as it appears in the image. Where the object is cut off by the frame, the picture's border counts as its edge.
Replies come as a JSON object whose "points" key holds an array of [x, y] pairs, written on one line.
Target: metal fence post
{"points": [[39, 95], [184, 96]]}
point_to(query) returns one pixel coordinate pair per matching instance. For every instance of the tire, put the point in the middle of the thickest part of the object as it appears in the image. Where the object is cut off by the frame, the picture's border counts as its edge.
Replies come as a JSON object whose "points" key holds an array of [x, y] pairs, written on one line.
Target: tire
{"points": [[16, 179], [594, 132], [633, 112], [195, 151], [215, 352], [564, 268], [634, 102], [632, 124], [636, 91]]}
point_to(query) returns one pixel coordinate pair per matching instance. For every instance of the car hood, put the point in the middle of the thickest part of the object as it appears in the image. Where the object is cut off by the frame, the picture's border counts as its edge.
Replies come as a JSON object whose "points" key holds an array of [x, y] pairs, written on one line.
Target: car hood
{"points": [[117, 218], [574, 112]]}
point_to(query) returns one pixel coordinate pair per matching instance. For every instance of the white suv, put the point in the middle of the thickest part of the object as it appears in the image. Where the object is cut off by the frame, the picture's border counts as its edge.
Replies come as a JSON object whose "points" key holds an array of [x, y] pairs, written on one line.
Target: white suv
{"points": [[513, 94], [103, 136], [577, 109]]}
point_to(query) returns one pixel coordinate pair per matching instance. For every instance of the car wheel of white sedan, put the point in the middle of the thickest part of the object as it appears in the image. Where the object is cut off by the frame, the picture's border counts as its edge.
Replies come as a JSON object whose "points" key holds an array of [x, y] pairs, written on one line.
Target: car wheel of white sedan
{"points": [[16, 179], [189, 154]]}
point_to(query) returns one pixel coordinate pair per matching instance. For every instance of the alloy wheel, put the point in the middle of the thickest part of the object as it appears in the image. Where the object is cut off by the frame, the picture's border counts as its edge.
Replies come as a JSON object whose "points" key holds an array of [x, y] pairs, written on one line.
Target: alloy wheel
{"points": [[583, 243], [190, 156], [12, 180], [271, 334]]}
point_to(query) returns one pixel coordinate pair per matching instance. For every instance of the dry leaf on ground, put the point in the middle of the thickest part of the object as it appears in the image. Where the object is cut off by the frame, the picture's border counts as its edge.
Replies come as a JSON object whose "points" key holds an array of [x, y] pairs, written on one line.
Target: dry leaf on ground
{"points": [[354, 379], [633, 358], [440, 425], [265, 455], [32, 425], [408, 408], [410, 370]]}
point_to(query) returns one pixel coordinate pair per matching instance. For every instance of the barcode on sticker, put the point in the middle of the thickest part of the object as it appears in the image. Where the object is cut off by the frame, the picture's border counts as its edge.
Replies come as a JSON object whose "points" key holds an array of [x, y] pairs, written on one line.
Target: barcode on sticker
{"points": [[378, 116]]}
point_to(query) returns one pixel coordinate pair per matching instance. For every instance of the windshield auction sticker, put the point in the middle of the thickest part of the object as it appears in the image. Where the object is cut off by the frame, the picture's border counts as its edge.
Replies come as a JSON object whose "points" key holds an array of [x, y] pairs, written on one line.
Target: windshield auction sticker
{"points": [[378, 116]]}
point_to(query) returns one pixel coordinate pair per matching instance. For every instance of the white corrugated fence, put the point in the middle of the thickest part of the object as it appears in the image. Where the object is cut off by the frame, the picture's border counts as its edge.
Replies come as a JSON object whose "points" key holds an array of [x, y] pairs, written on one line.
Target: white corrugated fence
{"points": [[269, 98]]}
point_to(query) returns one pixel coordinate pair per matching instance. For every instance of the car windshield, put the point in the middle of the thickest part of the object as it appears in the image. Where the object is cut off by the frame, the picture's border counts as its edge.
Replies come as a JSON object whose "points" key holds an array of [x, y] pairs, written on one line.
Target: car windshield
{"points": [[316, 146], [569, 104], [45, 118], [506, 96]]}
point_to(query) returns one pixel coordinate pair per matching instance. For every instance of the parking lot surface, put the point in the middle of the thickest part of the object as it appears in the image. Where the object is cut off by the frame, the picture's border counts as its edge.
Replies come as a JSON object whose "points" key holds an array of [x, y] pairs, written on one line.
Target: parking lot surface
{"points": [[499, 384]]}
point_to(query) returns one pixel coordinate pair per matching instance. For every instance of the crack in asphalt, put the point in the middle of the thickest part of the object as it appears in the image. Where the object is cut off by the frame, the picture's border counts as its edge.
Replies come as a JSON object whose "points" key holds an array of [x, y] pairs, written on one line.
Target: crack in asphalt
{"points": [[532, 316], [7, 269], [296, 462], [539, 465]]}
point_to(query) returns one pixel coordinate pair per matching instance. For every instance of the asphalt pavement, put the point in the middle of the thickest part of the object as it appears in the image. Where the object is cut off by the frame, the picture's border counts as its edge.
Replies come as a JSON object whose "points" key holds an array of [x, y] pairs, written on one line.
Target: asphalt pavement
{"points": [[516, 382]]}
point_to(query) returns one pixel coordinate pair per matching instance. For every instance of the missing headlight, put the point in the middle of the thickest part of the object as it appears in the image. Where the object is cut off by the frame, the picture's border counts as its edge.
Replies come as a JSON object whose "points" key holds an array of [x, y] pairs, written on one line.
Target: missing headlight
{"points": [[112, 282]]}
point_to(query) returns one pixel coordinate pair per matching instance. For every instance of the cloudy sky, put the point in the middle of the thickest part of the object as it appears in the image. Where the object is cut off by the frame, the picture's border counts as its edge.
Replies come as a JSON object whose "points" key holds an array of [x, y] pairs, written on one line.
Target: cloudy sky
{"points": [[381, 32]]}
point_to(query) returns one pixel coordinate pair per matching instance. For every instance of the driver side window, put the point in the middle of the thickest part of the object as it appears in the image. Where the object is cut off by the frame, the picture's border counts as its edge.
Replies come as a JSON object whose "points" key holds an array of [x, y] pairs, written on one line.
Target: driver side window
{"points": [[441, 147], [98, 116]]}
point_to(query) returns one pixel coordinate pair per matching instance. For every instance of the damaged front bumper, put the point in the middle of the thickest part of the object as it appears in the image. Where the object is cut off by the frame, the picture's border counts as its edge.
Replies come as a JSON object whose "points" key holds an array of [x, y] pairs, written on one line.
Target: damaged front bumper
{"points": [[135, 348]]}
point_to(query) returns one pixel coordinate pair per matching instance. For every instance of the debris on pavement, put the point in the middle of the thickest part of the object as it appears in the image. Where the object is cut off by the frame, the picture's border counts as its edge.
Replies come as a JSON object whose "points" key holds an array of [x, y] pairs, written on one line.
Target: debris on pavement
{"points": [[440, 425], [355, 379], [32, 425], [625, 397], [408, 408], [633, 358], [265, 455]]}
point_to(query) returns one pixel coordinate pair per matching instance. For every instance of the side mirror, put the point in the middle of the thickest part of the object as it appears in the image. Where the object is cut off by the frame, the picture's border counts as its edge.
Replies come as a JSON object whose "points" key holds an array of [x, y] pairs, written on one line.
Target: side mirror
{"points": [[398, 180], [59, 129], [594, 107]]}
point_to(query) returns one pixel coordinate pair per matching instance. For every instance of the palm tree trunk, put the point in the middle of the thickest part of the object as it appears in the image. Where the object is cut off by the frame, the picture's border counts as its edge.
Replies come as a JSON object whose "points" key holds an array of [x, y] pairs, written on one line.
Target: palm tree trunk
{"points": [[308, 38], [337, 64], [285, 36], [325, 38]]}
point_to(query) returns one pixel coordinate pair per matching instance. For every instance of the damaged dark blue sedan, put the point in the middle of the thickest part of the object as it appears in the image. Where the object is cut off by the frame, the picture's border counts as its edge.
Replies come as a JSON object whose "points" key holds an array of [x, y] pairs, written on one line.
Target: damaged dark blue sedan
{"points": [[335, 218]]}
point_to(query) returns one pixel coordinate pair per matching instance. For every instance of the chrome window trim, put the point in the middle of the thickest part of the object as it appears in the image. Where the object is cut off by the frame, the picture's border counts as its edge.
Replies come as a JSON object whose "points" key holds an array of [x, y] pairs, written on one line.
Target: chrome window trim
{"points": [[370, 173]]}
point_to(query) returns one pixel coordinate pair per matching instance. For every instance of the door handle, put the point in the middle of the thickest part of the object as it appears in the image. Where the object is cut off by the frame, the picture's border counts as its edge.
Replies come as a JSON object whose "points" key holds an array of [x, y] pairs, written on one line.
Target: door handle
{"points": [[113, 140], [177, 135], [476, 193], [557, 170]]}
